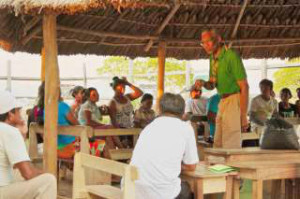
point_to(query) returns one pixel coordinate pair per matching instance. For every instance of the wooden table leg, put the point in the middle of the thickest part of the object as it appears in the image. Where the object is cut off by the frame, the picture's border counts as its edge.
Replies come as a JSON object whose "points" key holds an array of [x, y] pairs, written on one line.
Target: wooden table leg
{"points": [[229, 185], [236, 188], [257, 189], [198, 189]]}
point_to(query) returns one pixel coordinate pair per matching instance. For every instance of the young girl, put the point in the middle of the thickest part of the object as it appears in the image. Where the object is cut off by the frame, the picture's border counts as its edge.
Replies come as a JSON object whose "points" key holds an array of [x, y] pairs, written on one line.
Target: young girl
{"points": [[286, 109], [77, 93], [90, 114], [144, 115]]}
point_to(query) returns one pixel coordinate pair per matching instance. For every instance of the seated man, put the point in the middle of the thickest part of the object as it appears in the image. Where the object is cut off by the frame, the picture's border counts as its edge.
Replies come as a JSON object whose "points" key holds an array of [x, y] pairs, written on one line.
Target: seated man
{"points": [[165, 147], [196, 105], [264, 105], [13, 155]]}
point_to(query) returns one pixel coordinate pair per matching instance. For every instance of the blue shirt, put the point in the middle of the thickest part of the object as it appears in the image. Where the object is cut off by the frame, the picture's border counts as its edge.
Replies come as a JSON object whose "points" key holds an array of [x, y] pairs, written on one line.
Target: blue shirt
{"points": [[63, 111], [212, 106]]}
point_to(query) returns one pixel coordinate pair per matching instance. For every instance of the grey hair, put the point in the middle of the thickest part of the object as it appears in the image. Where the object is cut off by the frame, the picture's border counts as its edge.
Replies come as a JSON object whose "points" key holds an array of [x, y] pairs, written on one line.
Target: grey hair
{"points": [[172, 103]]}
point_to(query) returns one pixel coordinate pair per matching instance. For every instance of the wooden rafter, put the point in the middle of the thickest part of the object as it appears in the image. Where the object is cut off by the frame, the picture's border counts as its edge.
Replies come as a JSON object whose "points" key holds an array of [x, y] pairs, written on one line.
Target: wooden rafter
{"points": [[29, 36], [162, 26], [238, 21], [115, 23], [105, 33], [29, 25], [187, 3], [290, 43]]}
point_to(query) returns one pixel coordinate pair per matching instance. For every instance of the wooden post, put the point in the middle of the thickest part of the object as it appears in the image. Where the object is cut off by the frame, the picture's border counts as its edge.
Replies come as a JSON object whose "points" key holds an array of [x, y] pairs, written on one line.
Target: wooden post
{"points": [[188, 75], [130, 70], [51, 93], [84, 75], [264, 69], [161, 71], [43, 65], [8, 80]]}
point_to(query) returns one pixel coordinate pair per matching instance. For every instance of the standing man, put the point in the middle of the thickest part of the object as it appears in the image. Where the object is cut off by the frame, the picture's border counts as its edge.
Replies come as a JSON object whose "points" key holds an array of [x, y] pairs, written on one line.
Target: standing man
{"points": [[227, 74], [13, 155]]}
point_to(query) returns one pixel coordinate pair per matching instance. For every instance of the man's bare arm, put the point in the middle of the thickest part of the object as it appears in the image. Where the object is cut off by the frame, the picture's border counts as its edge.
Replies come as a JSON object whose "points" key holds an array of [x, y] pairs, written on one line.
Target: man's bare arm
{"points": [[27, 170], [244, 95]]}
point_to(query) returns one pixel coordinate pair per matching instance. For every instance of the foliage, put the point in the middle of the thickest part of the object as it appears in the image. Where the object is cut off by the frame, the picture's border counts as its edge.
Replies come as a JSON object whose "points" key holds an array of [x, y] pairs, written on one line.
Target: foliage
{"points": [[288, 77], [145, 71]]}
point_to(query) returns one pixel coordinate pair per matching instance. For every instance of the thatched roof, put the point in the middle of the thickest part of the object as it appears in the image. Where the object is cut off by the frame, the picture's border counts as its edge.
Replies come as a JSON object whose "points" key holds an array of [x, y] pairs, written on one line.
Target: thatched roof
{"points": [[256, 28]]}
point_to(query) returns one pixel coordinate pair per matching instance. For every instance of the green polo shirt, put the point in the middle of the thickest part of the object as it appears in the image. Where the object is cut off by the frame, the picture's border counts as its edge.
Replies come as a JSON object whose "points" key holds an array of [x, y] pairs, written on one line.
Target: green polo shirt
{"points": [[230, 70]]}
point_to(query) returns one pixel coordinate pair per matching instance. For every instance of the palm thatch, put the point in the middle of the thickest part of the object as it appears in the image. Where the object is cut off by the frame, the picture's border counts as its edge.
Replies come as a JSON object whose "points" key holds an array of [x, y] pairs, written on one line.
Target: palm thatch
{"points": [[256, 28]]}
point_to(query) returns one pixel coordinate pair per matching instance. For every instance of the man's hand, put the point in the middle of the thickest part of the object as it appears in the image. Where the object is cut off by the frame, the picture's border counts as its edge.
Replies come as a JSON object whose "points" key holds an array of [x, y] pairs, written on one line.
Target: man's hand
{"points": [[245, 124]]}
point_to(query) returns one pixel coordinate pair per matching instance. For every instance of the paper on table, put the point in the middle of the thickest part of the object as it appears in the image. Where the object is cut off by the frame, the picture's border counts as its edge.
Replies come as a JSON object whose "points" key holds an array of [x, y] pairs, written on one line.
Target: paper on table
{"points": [[220, 168]]}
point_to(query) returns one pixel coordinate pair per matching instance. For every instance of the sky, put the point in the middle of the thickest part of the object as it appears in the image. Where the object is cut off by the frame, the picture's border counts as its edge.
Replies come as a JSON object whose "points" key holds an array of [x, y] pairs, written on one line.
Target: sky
{"points": [[28, 65]]}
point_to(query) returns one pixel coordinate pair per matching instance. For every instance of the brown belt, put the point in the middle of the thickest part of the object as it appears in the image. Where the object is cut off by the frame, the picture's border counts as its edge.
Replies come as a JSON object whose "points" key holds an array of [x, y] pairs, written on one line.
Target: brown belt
{"points": [[227, 95]]}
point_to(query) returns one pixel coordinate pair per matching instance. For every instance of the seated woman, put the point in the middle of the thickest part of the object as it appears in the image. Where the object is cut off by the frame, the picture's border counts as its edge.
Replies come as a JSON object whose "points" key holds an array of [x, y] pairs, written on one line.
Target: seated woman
{"points": [[120, 107], [144, 115], [37, 115], [90, 114], [66, 143], [77, 94], [286, 109]]}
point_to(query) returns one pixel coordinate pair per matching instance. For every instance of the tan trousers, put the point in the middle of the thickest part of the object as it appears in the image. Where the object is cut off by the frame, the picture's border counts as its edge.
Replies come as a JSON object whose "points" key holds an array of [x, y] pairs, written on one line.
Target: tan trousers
{"points": [[40, 187], [228, 123]]}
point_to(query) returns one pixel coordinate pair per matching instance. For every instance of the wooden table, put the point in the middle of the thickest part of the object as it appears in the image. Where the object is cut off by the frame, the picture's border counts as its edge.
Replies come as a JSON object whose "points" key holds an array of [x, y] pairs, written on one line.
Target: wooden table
{"points": [[258, 171], [203, 181], [225, 156]]}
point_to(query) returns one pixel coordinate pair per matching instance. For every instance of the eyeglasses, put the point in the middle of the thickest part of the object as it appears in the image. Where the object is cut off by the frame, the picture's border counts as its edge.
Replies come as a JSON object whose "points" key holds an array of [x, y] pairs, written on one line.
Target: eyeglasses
{"points": [[202, 43]]}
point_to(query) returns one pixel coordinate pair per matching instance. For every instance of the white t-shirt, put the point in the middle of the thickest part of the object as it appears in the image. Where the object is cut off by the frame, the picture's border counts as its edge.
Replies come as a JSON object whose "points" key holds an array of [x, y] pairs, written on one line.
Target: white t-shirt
{"points": [[263, 109], [12, 151], [161, 148], [196, 106]]}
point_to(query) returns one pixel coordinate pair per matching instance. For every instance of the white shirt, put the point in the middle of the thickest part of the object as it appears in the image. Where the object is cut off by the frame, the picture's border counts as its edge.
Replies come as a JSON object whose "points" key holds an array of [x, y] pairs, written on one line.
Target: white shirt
{"points": [[161, 148], [12, 151], [263, 109], [196, 106]]}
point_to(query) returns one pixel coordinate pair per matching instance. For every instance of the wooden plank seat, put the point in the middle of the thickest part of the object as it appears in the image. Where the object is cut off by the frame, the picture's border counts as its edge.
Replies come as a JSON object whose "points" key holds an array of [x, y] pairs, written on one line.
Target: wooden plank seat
{"points": [[82, 191], [120, 154]]}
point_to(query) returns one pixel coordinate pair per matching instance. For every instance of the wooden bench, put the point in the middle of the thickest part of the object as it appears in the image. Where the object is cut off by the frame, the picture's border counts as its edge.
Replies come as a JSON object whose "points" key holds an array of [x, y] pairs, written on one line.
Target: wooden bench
{"points": [[84, 132], [119, 154], [83, 191]]}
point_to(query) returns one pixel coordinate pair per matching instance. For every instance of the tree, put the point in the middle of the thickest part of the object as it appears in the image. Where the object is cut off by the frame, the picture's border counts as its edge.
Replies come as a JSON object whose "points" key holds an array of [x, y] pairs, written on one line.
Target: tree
{"points": [[145, 71], [288, 77]]}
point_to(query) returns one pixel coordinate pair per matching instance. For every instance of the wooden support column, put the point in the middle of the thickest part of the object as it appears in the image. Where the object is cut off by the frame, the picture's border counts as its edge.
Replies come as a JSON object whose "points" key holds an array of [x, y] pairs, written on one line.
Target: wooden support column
{"points": [[43, 65], [51, 93], [161, 71]]}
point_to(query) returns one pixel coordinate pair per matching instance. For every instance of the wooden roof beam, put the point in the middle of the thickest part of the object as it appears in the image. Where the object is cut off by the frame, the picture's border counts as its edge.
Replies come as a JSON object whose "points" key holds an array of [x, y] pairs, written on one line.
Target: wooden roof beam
{"points": [[28, 37], [29, 25], [238, 21], [225, 5], [115, 23], [163, 25], [106, 34]]}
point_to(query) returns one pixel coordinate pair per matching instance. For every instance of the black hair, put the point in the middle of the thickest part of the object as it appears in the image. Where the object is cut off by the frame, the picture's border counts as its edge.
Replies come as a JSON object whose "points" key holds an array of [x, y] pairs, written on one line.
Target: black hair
{"points": [[4, 116], [87, 93], [116, 81], [287, 91], [76, 90], [41, 96], [266, 82], [298, 90], [146, 96]]}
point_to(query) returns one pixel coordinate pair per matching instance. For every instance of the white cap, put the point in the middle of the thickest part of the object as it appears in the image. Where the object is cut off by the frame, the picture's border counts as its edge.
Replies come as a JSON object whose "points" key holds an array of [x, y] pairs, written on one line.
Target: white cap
{"points": [[8, 102]]}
